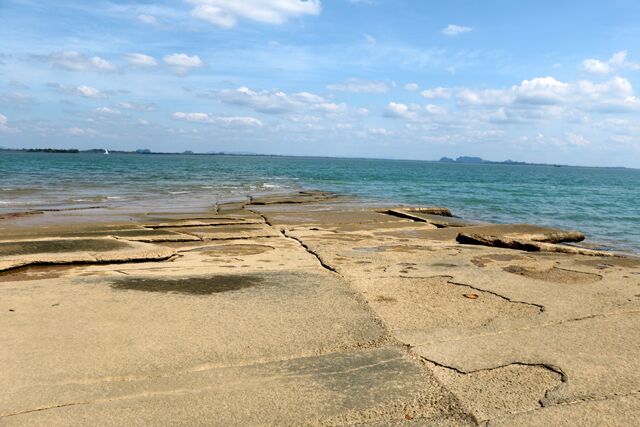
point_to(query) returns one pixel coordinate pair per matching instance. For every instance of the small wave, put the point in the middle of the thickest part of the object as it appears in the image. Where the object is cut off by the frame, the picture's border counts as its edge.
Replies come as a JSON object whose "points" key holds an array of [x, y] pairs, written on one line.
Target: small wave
{"points": [[4, 202], [265, 185], [179, 192], [90, 199], [114, 197]]}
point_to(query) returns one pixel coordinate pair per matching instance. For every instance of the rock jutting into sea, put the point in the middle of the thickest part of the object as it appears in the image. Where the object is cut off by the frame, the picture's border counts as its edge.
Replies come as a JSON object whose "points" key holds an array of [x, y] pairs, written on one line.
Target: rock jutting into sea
{"points": [[314, 309]]}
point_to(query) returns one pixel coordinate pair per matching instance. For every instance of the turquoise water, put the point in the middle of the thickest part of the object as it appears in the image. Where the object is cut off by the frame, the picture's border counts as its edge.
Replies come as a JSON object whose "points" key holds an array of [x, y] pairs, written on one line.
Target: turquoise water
{"points": [[603, 203]]}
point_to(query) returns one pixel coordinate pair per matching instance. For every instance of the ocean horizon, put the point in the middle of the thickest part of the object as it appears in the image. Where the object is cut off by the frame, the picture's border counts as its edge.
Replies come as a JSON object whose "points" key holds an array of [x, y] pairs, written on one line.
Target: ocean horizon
{"points": [[599, 201]]}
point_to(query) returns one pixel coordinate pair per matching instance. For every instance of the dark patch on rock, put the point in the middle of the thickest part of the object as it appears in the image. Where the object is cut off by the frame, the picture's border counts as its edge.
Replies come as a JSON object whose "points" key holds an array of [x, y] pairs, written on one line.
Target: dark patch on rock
{"points": [[36, 272], [190, 285]]}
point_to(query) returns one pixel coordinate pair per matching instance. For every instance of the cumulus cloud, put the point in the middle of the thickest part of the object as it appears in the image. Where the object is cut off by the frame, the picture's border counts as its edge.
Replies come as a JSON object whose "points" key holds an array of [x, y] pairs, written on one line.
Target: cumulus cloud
{"points": [[277, 102], [614, 94], [354, 85], [412, 87], [140, 60], [617, 61], [225, 13], [413, 111], [243, 121], [435, 93], [3, 121], [82, 90], [398, 110], [89, 92], [75, 61], [182, 63], [453, 30]]}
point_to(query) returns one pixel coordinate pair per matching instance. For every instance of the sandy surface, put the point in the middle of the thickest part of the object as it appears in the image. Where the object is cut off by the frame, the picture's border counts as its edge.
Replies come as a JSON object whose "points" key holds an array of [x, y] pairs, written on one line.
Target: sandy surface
{"points": [[310, 310]]}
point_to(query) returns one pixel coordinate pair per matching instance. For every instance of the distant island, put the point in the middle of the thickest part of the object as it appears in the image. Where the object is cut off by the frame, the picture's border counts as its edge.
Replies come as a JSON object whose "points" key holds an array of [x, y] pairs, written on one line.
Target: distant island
{"points": [[478, 160]]}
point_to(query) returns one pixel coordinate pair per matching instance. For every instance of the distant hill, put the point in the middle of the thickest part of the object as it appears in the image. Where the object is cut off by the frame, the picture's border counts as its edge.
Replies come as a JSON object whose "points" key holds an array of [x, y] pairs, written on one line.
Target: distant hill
{"points": [[478, 160]]}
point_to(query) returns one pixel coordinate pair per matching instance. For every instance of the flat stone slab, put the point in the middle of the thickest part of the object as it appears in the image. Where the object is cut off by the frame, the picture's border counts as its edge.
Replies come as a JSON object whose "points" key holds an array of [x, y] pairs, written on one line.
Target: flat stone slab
{"points": [[329, 218], [225, 232], [412, 307], [506, 390], [128, 326], [590, 374], [305, 310], [382, 385], [67, 251]]}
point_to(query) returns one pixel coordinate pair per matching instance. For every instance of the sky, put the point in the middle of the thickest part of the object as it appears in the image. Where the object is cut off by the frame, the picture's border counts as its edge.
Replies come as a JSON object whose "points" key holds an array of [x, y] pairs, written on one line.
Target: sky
{"points": [[544, 81]]}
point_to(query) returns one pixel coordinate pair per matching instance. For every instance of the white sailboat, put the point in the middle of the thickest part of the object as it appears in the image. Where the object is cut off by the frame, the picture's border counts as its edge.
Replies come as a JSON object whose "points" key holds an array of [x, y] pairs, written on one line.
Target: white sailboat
{"points": [[106, 151]]}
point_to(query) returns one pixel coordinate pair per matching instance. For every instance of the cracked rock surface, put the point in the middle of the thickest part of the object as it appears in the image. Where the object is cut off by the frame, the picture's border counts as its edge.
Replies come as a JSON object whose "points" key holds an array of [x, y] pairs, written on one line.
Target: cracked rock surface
{"points": [[309, 309]]}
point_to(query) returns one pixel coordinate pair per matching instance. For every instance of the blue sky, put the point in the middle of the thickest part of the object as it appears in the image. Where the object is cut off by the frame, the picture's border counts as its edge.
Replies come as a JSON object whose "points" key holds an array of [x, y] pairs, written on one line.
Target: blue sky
{"points": [[548, 81]]}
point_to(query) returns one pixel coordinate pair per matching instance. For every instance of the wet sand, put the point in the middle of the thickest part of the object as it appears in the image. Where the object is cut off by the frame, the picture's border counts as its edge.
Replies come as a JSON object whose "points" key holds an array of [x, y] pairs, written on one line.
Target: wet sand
{"points": [[311, 309]]}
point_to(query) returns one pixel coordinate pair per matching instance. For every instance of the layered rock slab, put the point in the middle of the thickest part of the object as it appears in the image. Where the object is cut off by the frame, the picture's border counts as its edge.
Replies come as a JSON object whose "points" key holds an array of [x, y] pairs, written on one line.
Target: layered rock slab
{"points": [[358, 387]]}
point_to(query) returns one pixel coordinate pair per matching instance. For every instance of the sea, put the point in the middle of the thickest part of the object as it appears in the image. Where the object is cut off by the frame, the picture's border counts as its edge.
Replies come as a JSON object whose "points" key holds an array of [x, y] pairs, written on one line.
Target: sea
{"points": [[603, 203]]}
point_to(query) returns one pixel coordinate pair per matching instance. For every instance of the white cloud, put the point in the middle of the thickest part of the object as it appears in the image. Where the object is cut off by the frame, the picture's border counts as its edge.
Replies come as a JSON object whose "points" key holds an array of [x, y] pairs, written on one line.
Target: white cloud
{"points": [[242, 121], [595, 66], [617, 61], [225, 13], [412, 87], [370, 39], [182, 63], [140, 59], [541, 90], [398, 110], [89, 92], [76, 61], [435, 93], [83, 90], [614, 94], [412, 112], [278, 102], [3, 122], [453, 30], [354, 85]]}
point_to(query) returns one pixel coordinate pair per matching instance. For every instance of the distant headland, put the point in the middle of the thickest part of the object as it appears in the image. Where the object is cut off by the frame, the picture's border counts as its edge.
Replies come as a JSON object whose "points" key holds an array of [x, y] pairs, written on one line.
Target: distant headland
{"points": [[478, 160]]}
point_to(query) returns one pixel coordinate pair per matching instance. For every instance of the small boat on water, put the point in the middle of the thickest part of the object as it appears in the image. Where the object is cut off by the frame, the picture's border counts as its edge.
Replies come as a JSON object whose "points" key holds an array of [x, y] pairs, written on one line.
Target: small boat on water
{"points": [[106, 151]]}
